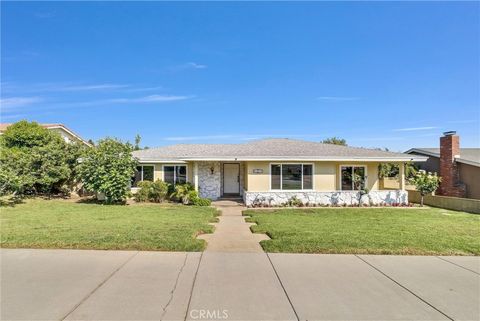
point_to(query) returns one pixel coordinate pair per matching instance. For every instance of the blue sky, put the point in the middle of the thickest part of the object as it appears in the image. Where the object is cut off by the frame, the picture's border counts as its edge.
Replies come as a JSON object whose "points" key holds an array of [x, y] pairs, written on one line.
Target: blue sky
{"points": [[378, 74]]}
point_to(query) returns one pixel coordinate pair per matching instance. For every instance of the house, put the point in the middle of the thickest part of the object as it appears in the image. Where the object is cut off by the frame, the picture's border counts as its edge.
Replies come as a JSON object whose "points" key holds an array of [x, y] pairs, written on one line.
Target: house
{"points": [[458, 167], [272, 171], [67, 134]]}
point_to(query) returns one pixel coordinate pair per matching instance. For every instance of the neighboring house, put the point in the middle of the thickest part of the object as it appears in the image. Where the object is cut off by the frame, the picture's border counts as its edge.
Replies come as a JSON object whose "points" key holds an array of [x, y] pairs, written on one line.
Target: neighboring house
{"points": [[272, 171], [458, 167], [67, 134]]}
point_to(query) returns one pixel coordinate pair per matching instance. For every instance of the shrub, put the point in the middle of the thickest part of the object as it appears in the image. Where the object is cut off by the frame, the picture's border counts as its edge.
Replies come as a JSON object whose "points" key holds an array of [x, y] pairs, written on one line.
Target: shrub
{"points": [[294, 202], [142, 193], [184, 193], [152, 191], [158, 191], [187, 194], [200, 201], [108, 168]]}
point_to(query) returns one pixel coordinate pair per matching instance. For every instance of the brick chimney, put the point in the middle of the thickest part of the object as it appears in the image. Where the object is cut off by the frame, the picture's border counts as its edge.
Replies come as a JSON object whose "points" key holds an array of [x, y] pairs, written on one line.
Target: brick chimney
{"points": [[449, 150]]}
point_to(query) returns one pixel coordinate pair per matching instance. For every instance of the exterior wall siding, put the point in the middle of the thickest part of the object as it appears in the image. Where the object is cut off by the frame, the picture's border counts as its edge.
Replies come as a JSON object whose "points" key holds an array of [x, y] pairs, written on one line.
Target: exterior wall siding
{"points": [[326, 175], [256, 186], [470, 176]]}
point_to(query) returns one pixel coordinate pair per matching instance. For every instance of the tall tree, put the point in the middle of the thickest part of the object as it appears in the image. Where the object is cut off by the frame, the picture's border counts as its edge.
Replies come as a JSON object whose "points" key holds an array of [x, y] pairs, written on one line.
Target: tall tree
{"points": [[108, 168], [35, 160], [335, 141], [138, 139]]}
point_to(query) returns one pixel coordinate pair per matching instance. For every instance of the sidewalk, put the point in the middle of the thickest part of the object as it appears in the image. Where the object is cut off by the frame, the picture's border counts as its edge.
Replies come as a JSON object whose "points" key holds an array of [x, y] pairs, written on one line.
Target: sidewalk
{"points": [[232, 233], [129, 285]]}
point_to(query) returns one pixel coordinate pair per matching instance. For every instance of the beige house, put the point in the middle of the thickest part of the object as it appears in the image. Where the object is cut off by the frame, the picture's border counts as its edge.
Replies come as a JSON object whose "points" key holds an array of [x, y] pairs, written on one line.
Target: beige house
{"points": [[272, 171], [67, 134]]}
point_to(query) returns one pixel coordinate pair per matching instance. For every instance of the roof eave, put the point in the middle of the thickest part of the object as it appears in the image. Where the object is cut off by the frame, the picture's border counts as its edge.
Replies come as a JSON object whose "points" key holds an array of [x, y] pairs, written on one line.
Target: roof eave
{"points": [[273, 158], [423, 152], [59, 126], [468, 162]]}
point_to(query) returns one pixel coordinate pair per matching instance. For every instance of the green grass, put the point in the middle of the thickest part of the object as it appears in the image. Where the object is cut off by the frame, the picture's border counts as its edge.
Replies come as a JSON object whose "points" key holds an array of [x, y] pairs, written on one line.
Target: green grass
{"points": [[425, 231], [63, 224]]}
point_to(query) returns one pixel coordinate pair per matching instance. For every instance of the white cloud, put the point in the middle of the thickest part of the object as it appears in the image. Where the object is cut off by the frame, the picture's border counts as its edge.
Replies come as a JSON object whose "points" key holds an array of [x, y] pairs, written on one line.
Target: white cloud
{"points": [[144, 89], [411, 129], [14, 102], [88, 87], [148, 99], [337, 98], [59, 87], [466, 121], [73, 87], [133, 100], [194, 65], [188, 65]]}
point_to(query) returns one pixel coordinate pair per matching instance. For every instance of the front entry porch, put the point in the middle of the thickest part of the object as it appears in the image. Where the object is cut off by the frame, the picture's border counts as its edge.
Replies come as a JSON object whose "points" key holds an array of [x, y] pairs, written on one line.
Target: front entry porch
{"points": [[231, 179], [215, 180]]}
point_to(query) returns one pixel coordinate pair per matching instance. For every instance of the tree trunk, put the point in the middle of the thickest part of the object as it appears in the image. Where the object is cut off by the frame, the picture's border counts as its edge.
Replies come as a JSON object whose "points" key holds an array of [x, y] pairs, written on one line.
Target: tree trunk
{"points": [[421, 200]]}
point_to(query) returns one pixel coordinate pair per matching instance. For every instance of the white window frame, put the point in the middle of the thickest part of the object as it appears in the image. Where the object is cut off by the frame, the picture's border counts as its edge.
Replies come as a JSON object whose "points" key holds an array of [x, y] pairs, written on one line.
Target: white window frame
{"points": [[281, 177], [175, 172], [141, 174], [142, 166], [365, 167]]}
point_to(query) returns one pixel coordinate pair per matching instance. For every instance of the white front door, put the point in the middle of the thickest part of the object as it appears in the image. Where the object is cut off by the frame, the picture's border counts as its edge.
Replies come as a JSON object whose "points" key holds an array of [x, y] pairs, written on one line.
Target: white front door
{"points": [[231, 178]]}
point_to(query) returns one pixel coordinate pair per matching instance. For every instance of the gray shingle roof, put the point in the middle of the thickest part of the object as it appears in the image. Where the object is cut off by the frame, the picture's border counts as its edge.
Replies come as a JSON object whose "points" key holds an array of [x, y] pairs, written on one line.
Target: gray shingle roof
{"points": [[467, 155], [268, 149]]}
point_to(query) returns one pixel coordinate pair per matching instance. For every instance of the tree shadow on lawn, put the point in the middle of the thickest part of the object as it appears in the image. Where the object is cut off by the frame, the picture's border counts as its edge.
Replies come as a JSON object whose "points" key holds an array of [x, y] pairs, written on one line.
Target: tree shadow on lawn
{"points": [[10, 201]]}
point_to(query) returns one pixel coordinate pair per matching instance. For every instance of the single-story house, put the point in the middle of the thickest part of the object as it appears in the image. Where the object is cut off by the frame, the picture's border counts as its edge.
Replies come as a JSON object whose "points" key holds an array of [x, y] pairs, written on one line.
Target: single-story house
{"points": [[67, 134], [458, 167], [272, 171]]}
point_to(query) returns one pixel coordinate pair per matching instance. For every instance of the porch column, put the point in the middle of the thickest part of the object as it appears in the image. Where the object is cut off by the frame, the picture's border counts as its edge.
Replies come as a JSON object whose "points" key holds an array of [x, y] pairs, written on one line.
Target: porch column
{"points": [[195, 175], [402, 176]]}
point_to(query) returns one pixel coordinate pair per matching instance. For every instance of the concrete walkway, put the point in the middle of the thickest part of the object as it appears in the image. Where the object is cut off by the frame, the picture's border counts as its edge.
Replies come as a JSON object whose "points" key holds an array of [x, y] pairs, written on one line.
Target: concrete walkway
{"points": [[130, 285], [232, 233]]}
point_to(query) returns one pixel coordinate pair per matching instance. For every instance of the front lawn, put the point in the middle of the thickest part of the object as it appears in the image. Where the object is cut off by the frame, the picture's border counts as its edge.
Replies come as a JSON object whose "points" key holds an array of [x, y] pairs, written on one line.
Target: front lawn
{"points": [[405, 231], [68, 225]]}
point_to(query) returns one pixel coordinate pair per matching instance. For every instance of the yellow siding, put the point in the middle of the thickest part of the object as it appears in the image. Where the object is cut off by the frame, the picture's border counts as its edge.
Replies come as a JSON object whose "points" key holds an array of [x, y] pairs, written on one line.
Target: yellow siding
{"points": [[257, 182], [327, 175]]}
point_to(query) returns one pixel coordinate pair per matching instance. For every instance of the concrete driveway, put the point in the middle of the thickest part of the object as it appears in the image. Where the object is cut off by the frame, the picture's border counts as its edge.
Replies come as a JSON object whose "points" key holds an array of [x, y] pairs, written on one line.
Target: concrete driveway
{"points": [[128, 285]]}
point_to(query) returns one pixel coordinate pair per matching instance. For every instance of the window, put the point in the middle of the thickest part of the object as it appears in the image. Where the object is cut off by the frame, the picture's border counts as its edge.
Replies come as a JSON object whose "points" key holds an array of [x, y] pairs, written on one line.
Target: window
{"points": [[143, 173], [353, 177], [176, 174], [291, 176]]}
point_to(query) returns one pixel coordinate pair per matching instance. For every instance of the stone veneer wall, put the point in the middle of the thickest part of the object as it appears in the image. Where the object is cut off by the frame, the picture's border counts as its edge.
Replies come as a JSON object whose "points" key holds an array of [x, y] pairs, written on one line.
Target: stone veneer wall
{"points": [[209, 184], [339, 198]]}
